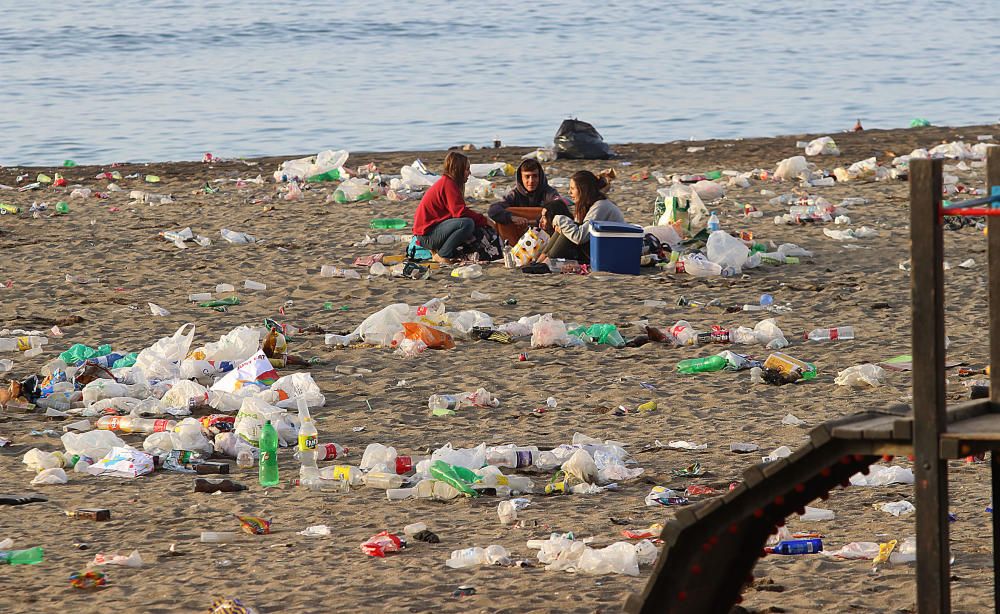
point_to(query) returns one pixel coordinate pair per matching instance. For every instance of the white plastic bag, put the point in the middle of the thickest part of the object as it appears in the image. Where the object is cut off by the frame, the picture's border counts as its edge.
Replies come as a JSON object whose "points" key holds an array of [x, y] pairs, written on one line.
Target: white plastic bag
{"points": [[235, 346], [162, 359], [92, 444], [880, 475], [55, 475], [256, 372], [709, 190], [823, 146], [185, 394], [726, 250], [581, 466], [861, 376], [290, 388], [698, 265], [250, 419], [792, 168], [548, 331]]}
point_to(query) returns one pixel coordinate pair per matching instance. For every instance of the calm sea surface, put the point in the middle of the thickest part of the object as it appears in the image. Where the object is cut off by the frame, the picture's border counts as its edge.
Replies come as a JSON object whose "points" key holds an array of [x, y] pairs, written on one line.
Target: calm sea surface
{"points": [[166, 80]]}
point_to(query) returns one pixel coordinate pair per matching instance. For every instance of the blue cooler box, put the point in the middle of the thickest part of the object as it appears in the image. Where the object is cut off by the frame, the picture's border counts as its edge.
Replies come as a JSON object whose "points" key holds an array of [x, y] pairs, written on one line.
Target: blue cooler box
{"points": [[615, 247]]}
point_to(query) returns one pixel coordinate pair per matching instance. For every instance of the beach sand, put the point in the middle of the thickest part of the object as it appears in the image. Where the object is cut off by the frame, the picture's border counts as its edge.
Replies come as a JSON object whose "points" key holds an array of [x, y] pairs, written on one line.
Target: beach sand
{"points": [[117, 241]]}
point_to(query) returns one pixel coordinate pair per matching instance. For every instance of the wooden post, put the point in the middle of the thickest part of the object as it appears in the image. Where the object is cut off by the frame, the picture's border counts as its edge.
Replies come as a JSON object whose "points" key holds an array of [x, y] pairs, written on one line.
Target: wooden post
{"points": [[931, 472], [993, 243]]}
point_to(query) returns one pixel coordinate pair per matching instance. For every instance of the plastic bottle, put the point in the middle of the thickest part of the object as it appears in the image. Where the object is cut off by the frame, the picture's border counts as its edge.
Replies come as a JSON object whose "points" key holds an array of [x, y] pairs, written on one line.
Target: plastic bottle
{"points": [[351, 475], [788, 365], [799, 546], [134, 424], [513, 457], [330, 175], [443, 401], [250, 284], [330, 451], [268, 468], [831, 334], [384, 480], [423, 490], [217, 485], [389, 223], [200, 297], [218, 537], [508, 258], [308, 436], [31, 556], [21, 344], [469, 271], [713, 223], [702, 365]]}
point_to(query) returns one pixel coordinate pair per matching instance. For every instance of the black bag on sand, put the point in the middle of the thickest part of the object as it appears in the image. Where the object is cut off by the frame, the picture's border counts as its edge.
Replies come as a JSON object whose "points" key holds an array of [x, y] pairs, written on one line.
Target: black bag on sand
{"points": [[577, 140], [485, 243]]}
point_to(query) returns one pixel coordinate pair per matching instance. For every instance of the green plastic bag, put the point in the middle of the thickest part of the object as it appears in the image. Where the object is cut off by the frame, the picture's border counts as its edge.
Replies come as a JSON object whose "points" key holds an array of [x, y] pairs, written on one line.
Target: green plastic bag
{"points": [[604, 334], [128, 360], [456, 477], [80, 352]]}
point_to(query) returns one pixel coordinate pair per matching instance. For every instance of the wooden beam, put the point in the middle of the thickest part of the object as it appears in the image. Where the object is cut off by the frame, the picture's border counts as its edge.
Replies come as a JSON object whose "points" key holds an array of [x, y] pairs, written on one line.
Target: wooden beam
{"points": [[993, 245], [929, 420]]}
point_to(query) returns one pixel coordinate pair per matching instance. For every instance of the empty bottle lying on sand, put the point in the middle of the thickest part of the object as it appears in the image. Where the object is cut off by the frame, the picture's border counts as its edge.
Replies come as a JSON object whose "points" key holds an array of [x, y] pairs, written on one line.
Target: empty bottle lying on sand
{"points": [[377, 457], [702, 365], [473, 557], [21, 344], [31, 556], [479, 398], [134, 424], [831, 334], [347, 473]]}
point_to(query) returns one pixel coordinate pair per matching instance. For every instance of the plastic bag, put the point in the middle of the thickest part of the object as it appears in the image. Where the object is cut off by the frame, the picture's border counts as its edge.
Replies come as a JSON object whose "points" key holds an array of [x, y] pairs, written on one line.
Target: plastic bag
{"points": [[861, 376], [792, 168], [464, 321], [578, 140], [581, 467], [185, 394], [823, 146], [698, 265], [55, 475], [256, 371], [880, 475], [298, 385], [162, 359], [683, 208], [123, 462], [434, 338], [529, 246], [709, 190], [548, 331], [235, 346], [250, 419], [92, 444], [726, 250]]}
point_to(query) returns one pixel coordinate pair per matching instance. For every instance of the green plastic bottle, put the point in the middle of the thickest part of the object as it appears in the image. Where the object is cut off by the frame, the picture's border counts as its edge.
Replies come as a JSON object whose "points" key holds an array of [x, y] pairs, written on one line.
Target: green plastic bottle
{"points": [[31, 556], [268, 455], [702, 365], [222, 302], [330, 175], [393, 223]]}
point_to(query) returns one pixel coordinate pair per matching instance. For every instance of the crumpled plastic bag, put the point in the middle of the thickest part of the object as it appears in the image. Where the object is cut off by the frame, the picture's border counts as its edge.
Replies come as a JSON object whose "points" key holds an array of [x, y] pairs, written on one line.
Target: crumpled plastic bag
{"points": [[256, 372], [855, 551], [726, 250], [92, 444], [823, 146], [683, 208], [861, 376], [132, 560], [251, 416], [55, 475], [379, 328], [851, 234], [235, 346], [581, 467], [124, 462], [548, 331], [767, 333], [186, 394], [792, 168], [896, 508], [40, 460], [880, 475], [289, 388], [162, 359], [709, 190], [434, 338], [464, 321]]}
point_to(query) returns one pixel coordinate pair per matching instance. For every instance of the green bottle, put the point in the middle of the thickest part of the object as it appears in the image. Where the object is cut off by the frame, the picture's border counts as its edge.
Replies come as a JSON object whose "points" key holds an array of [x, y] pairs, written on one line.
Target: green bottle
{"points": [[31, 556], [222, 302], [811, 373], [62, 207], [331, 175], [268, 455], [702, 365], [389, 223]]}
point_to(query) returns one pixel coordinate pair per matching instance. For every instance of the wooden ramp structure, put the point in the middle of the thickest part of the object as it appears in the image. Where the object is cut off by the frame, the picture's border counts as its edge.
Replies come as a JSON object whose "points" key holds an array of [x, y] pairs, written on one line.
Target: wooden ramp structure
{"points": [[711, 547]]}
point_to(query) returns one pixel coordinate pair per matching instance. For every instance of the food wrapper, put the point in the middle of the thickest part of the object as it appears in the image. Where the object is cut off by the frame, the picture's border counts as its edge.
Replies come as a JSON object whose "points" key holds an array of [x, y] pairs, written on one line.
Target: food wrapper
{"points": [[255, 371], [254, 525], [123, 462], [230, 606], [434, 338], [382, 543]]}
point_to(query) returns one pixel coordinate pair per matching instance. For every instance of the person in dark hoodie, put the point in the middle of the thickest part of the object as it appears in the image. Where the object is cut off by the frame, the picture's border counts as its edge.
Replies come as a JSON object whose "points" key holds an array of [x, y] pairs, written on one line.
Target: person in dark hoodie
{"points": [[531, 198]]}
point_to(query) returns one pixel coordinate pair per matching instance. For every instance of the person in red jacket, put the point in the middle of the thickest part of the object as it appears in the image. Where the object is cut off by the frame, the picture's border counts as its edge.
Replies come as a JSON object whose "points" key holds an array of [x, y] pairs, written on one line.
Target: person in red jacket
{"points": [[443, 221]]}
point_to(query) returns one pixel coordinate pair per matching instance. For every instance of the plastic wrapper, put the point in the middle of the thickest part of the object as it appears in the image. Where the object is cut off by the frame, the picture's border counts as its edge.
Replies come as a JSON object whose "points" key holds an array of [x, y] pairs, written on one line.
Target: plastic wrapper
{"points": [[434, 338], [548, 331], [382, 543], [862, 376], [254, 525], [123, 462]]}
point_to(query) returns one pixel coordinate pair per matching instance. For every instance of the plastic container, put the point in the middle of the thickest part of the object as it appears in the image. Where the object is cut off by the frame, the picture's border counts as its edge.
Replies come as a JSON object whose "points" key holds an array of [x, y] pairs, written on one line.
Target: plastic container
{"points": [[389, 223], [615, 247], [831, 334]]}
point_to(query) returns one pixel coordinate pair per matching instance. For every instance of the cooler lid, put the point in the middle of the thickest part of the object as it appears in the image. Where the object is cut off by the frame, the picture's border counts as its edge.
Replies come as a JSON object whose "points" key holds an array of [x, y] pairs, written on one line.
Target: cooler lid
{"points": [[615, 227]]}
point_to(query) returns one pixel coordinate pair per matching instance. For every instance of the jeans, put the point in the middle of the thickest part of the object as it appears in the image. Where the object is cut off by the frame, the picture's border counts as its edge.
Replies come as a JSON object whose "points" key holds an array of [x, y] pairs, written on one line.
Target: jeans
{"points": [[445, 237]]}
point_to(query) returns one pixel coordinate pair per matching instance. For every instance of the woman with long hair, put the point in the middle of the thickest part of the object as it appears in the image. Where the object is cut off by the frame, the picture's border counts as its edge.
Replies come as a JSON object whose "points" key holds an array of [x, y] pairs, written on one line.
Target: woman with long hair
{"points": [[443, 221], [572, 234]]}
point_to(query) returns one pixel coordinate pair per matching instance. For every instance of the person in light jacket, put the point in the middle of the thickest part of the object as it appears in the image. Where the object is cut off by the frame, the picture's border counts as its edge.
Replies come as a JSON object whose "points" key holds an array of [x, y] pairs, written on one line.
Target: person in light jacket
{"points": [[571, 238]]}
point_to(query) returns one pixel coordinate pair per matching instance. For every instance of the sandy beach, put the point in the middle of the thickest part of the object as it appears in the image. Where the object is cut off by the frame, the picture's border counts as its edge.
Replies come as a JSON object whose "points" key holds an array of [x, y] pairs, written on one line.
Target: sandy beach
{"points": [[115, 244]]}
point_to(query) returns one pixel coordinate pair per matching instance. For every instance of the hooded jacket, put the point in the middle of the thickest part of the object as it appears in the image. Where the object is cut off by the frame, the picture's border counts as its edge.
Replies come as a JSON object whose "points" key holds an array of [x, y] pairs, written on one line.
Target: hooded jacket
{"points": [[519, 196]]}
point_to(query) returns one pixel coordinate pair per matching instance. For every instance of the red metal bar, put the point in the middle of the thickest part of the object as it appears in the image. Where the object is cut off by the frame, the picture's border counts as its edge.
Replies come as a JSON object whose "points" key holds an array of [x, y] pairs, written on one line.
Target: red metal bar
{"points": [[970, 212]]}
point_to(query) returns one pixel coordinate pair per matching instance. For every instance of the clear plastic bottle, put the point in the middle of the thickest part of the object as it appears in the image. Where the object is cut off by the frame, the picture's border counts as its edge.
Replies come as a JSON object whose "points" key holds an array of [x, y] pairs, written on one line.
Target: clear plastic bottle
{"points": [[469, 271], [21, 344], [831, 334], [713, 223], [351, 475], [384, 480], [134, 424], [423, 490], [511, 456], [307, 439], [330, 451]]}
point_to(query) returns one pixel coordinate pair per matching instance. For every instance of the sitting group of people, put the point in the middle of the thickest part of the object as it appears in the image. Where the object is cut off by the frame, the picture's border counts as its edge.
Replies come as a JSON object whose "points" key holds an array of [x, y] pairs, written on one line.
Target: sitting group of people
{"points": [[443, 221]]}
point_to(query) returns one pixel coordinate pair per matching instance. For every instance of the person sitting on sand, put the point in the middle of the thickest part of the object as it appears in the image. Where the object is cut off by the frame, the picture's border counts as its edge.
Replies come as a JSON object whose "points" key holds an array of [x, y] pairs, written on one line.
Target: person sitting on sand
{"points": [[442, 221], [572, 234], [525, 203]]}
